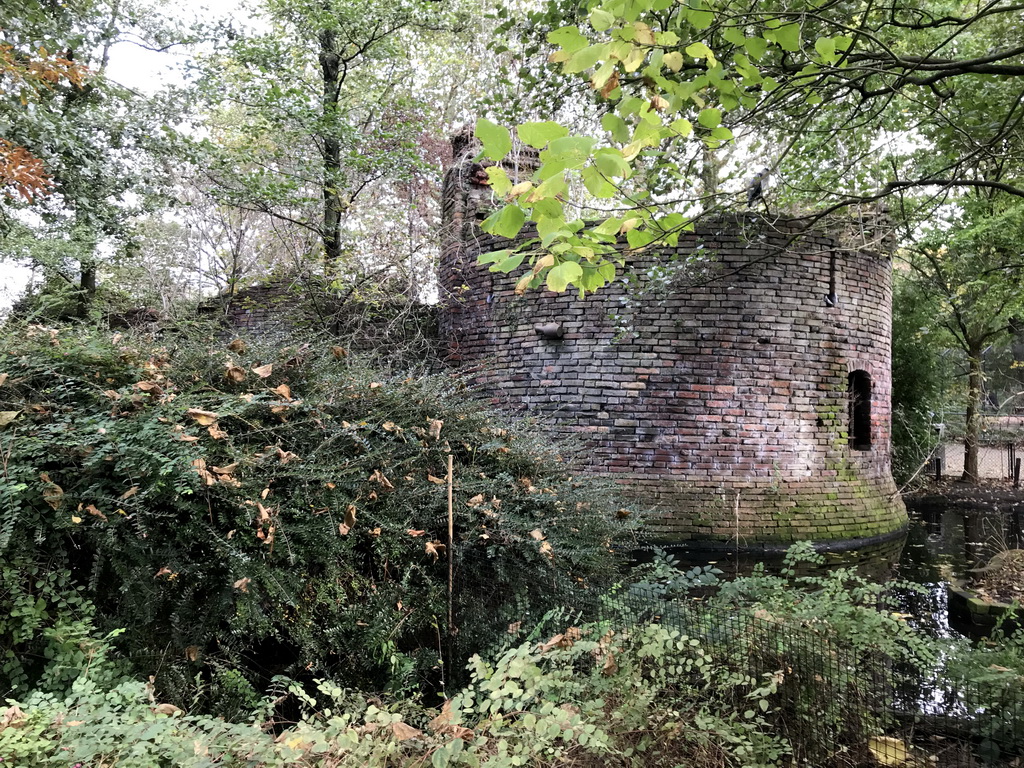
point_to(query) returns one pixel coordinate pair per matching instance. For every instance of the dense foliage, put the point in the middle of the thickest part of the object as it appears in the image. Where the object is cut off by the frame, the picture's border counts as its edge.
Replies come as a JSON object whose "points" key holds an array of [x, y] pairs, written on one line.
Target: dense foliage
{"points": [[249, 509]]}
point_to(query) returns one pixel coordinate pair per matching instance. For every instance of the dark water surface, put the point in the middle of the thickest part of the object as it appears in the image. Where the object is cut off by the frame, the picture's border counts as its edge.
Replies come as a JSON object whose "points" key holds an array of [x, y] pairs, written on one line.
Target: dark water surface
{"points": [[952, 530]]}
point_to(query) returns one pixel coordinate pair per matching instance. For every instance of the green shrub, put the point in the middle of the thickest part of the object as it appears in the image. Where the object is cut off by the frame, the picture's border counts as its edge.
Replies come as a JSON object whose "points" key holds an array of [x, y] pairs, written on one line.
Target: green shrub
{"points": [[588, 696], [256, 509]]}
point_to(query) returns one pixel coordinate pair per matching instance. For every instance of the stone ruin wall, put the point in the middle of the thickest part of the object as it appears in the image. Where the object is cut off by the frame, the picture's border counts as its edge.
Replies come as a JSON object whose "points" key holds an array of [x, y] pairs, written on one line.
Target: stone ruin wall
{"points": [[727, 409]]}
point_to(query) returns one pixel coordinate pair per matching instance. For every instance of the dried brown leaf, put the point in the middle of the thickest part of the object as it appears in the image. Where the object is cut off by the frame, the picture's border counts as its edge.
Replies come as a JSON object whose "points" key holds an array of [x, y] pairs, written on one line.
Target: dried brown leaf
{"points": [[234, 373], [216, 432], [264, 371], [129, 493], [434, 548], [6, 417], [476, 501], [379, 477], [237, 345], [3, 379], [242, 584], [434, 430], [339, 352], [436, 480], [91, 509], [283, 391], [192, 652], [53, 494], [414, 532], [404, 732]]}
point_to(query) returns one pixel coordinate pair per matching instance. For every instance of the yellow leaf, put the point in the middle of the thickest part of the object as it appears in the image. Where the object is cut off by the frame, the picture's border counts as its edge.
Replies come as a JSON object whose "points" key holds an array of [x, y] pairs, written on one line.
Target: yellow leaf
{"points": [[205, 418], [889, 751], [264, 370], [6, 417], [520, 188], [545, 549], [76, 519]]}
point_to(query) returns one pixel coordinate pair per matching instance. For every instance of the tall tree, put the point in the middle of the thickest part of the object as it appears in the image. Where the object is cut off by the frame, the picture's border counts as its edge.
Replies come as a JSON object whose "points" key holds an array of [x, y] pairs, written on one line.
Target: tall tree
{"points": [[319, 113], [93, 139], [973, 268]]}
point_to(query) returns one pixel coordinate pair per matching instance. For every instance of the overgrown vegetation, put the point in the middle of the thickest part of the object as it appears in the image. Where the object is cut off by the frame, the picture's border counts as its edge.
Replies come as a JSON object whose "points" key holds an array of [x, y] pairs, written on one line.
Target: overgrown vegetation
{"points": [[244, 510]]}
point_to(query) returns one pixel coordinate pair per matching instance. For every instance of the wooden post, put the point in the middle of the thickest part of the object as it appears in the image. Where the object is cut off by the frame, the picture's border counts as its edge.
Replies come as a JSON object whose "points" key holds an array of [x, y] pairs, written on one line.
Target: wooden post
{"points": [[1016, 473], [938, 469], [451, 548]]}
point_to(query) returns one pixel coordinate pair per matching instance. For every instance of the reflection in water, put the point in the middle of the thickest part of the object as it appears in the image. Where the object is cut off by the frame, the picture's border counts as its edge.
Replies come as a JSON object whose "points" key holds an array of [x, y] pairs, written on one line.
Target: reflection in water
{"points": [[949, 535]]}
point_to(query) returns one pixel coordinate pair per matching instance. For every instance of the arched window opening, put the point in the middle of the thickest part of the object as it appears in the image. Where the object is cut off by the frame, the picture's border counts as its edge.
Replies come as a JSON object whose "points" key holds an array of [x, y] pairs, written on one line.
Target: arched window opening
{"points": [[859, 393]]}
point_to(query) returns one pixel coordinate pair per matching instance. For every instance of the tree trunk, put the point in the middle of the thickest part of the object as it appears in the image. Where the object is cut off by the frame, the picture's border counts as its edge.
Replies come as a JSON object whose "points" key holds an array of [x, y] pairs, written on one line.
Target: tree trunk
{"points": [[86, 289], [973, 419], [330, 70]]}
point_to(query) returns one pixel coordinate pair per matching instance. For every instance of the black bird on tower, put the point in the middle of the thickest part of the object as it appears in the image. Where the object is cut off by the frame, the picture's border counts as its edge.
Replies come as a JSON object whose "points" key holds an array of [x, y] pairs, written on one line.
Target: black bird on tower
{"points": [[756, 187]]}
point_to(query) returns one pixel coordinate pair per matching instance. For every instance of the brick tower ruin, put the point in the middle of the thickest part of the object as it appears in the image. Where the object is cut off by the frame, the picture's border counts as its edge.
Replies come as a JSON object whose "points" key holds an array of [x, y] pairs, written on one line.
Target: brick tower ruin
{"points": [[745, 399]]}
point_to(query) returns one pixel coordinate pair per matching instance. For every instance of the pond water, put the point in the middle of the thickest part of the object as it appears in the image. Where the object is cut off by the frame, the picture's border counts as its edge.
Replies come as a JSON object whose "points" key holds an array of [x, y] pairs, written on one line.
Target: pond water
{"points": [[952, 530]]}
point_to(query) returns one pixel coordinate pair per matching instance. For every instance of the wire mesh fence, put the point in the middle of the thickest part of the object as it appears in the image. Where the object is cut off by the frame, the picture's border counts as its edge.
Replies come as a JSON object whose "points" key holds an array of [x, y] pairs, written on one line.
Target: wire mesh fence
{"points": [[1000, 445], [835, 705]]}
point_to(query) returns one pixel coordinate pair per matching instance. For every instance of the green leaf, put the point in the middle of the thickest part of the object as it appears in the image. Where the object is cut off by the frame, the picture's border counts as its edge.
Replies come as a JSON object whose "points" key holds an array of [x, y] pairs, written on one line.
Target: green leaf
{"points": [[734, 35], [612, 164], [638, 238], [826, 48], [499, 181], [537, 135], [492, 257], [698, 17], [700, 51], [573, 150], [601, 20], [756, 46], [496, 139], [585, 59], [596, 183], [509, 264], [682, 126], [710, 117], [560, 277], [787, 36], [505, 222], [616, 126], [568, 38]]}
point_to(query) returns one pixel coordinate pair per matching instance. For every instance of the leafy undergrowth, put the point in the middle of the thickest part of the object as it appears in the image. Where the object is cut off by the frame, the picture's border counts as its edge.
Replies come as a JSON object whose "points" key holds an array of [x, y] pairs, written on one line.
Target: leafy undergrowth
{"points": [[246, 509], [589, 696]]}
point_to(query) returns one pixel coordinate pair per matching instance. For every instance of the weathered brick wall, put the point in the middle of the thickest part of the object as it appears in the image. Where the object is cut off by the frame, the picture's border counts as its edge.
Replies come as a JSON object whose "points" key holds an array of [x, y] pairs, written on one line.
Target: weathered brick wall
{"points": [[726, 407]]}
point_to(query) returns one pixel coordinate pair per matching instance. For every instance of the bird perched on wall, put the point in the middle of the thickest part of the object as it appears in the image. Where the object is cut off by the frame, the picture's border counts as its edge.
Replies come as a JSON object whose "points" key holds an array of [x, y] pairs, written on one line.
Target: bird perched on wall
{"points": [[756, 187]]}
